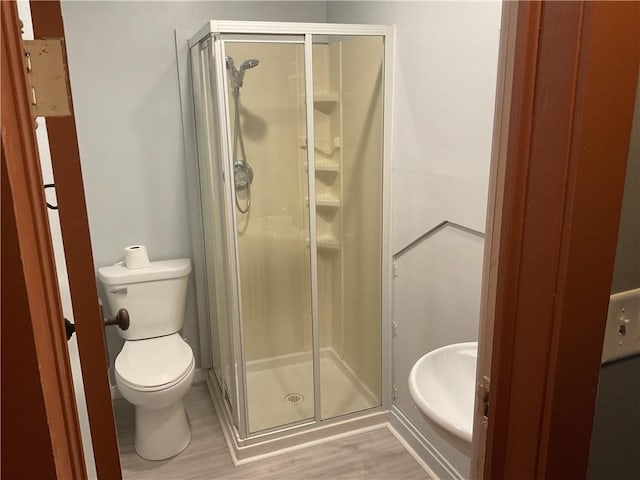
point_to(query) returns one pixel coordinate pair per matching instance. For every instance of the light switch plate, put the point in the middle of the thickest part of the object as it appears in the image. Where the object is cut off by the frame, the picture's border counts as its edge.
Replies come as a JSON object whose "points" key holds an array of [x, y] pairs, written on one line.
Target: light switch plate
{"points": [[622, 334]]}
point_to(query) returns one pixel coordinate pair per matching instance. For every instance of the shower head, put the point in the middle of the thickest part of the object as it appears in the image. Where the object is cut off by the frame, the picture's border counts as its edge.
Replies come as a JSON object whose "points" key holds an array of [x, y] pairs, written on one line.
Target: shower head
{"points": [[238, 75], [247, 64]]}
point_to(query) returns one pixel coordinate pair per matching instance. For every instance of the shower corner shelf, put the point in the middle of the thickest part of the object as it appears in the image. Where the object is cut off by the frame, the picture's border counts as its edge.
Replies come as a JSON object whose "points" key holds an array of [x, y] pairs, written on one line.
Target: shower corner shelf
{"points": [[326, 242], [326, 201], [326, 148], [326, 97], [327, 166]]}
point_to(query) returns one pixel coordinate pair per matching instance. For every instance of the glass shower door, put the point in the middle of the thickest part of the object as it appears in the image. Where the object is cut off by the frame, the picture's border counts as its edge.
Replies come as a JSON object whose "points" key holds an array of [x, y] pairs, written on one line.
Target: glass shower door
{"points": [[214, 223], [348, 131], [266, 117]]}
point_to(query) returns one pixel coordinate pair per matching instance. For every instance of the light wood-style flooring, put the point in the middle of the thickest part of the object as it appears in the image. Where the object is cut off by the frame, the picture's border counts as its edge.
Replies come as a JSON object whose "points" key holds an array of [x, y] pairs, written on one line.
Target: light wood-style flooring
{"points": [[372, 455]]}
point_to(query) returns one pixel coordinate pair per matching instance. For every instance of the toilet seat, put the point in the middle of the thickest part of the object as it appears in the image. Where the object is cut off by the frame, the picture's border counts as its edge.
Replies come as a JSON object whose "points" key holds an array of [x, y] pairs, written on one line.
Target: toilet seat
{"points": [[155, 363]]}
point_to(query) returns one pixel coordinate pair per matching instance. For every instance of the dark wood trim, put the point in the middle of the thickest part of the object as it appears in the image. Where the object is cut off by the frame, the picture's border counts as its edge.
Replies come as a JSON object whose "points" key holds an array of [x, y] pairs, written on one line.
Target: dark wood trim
{"points": [[606, 89], [65, 159], [574, 83], [33, 298], [506, 58], [520, 117]]}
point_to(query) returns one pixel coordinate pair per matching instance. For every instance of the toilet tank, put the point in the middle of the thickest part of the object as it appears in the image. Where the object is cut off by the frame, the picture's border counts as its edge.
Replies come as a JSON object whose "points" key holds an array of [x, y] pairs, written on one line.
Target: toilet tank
{"points": [[154, 296]]}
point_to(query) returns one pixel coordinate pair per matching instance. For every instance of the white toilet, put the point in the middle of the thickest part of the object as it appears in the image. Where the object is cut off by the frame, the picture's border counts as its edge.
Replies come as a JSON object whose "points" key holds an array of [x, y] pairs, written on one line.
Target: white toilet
{"points": [[155, 368]]}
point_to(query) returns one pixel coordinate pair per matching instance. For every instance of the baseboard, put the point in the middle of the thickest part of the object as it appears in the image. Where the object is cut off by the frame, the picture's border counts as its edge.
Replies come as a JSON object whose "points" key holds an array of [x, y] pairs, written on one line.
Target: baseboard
{"points": [[420, 448], [409, 449], [115, 392], [200, 375]]}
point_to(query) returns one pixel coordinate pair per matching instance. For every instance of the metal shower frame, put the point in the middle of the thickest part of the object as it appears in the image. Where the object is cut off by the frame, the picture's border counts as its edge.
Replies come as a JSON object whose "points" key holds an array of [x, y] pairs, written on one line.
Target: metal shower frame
{"points": [[282, 32]]}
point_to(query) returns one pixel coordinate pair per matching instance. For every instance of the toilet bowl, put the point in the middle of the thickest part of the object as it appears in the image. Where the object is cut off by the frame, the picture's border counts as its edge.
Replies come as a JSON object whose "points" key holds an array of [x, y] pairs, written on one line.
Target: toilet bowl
{"points": [[154, 375], [155, 368]]}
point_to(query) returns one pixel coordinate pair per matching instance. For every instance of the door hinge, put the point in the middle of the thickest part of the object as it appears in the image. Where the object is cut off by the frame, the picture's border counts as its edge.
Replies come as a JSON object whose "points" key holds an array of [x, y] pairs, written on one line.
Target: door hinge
{"points": [[47, 75], [395, 269], [394, 328], [484, 392], [394, 392]]}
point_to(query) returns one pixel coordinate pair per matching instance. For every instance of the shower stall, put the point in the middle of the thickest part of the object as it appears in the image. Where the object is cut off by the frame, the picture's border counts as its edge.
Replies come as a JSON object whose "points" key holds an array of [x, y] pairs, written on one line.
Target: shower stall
{"points": [[293, 129]]}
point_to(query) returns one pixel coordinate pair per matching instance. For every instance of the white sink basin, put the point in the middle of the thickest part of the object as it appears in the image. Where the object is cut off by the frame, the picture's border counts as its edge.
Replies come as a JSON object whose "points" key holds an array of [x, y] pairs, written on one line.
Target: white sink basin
{"points": [[442, 385]]}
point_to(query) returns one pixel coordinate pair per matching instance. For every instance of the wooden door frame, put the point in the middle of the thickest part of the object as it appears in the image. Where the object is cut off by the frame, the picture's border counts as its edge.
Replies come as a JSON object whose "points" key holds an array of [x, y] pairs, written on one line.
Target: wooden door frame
{"points": [[559, 167], [74, 225], [35, 274]]}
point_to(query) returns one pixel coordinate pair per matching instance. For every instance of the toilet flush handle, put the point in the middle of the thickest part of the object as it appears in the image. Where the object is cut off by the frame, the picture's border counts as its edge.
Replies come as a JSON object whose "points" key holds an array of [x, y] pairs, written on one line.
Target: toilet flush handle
{"points": [[121, 319]]}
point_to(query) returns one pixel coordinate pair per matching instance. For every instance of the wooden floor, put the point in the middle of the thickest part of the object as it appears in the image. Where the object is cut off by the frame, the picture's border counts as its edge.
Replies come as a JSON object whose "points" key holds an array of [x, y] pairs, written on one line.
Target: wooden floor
{"points": [[374, 454]]}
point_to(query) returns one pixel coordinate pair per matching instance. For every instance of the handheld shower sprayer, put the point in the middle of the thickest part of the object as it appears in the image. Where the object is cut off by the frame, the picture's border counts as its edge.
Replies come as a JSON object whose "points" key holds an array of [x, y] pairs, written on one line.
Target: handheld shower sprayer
{"points": [[238, 74], [242, 171]]}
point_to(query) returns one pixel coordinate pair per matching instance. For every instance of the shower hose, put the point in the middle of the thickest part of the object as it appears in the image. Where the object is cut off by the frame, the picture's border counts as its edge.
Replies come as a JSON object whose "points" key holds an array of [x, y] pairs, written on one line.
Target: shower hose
{"points": [[242, 161]]}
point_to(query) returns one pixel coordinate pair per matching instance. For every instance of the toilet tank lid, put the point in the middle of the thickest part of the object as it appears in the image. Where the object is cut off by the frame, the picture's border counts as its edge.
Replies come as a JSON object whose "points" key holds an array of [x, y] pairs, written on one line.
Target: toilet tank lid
{"points": [[118, 274]]}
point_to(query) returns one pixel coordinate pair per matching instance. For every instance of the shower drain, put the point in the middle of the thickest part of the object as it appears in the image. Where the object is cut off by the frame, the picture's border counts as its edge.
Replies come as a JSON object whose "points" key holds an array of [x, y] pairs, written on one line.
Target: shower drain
{"points": [[294, 398]]}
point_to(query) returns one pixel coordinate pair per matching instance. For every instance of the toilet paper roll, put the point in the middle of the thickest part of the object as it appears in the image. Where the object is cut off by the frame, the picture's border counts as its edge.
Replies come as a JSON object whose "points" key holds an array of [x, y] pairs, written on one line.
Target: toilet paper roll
{"points": [[135, 256]]}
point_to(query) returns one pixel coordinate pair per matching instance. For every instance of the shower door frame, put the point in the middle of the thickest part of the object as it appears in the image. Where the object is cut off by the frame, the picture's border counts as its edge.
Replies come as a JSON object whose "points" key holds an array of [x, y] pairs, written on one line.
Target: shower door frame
{"points": [[213, 32]]}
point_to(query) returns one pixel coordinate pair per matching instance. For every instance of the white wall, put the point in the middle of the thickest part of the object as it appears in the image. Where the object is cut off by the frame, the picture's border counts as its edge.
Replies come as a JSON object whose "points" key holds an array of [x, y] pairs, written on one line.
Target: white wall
{"points": [[617, 412], [436, 302], [445, 79], [626, 274], [123, 70]]}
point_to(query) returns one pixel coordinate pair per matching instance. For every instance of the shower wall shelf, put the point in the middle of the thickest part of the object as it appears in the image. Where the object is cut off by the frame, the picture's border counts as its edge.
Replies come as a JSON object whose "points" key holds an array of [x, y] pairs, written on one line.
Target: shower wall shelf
{"points": [[327, 166], [326, 97], [326, 242], [325, 148], [326, 201]]}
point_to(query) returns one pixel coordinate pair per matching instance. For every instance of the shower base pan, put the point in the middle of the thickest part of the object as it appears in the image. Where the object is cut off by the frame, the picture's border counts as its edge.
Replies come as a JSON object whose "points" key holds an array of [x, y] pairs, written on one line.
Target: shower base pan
{"points": [[284, 386]]}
